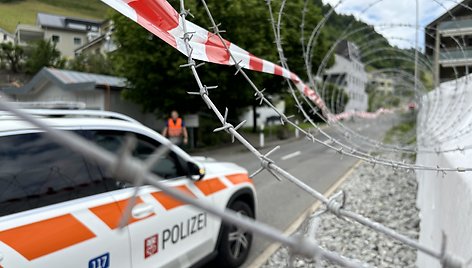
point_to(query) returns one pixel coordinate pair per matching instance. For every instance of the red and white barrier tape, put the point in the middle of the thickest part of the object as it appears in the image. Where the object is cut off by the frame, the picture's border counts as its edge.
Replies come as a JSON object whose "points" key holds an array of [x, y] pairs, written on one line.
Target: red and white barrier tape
{"points": [[161, 19]]}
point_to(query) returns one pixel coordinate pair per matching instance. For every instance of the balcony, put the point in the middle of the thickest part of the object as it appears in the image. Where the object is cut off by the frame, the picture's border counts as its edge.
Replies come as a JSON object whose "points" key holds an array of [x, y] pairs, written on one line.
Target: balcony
{"points": [[453, 57], [456, 27], [28, 33]]}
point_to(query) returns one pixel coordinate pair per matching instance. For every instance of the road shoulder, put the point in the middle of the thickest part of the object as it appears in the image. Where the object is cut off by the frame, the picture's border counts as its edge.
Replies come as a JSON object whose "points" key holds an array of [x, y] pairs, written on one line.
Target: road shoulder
{"points": [[272, 248]]}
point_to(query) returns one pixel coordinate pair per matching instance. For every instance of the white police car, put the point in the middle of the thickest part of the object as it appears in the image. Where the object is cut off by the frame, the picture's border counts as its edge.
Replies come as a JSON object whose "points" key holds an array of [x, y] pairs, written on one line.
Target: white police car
{"points": [[59, 209]]}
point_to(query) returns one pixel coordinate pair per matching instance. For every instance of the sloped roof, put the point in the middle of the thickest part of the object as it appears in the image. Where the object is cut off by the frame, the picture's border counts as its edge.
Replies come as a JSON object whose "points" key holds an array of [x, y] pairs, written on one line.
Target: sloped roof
{"points": [[63, 22], [348, 50], [89, 44], [448, 14], [69, 80]]}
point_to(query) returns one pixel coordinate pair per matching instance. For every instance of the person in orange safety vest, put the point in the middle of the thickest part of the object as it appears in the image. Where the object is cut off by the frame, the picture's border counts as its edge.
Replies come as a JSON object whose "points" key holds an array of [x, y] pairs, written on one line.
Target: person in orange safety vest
{"points": [[175, 129]]}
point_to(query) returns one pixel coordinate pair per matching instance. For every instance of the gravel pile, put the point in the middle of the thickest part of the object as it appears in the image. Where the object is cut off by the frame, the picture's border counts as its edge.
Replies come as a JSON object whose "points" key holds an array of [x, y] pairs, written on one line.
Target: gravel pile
{"points": [[381, 194]]}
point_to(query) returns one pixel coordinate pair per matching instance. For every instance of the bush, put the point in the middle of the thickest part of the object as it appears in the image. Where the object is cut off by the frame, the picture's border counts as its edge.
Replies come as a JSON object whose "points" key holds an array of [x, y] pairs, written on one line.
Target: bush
{"points": [[43, 54], [206, 137], [91, 63], [283, 133], [12, 57]]}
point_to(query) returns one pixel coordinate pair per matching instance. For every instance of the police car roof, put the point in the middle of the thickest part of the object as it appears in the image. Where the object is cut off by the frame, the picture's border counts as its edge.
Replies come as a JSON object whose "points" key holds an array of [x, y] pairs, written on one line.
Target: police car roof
{"points": [[73, 119]]}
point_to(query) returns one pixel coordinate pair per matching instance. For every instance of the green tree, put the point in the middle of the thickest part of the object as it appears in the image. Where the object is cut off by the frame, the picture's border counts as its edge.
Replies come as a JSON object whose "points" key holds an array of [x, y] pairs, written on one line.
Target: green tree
{"points": [[91, 63], [291, 35], [43, 54], [159, 85], [348, 27], [12, 56], [152, 67]]}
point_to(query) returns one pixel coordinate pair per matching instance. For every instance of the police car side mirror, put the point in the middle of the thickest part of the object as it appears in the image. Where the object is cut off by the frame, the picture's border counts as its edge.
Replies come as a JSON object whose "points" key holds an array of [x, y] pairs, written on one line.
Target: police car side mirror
{"points": [[195, 171]]}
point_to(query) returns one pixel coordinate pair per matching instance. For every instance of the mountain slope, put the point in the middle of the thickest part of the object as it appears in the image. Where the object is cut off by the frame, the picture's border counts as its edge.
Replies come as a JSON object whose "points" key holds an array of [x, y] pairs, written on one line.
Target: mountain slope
{"points": [[24, 11]]}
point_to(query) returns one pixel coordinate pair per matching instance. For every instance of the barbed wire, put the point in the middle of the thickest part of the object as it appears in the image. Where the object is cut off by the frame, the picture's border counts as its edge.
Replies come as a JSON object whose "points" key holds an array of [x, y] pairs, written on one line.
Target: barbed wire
{"points": [[332, 205], [381, 145], [343, 149], [267, 163], [137, 172], [133, 170], [384, 25]]}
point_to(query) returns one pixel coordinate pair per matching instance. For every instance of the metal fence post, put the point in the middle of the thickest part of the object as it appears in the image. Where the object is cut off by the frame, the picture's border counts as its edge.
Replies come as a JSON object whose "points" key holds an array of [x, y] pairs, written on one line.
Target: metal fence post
{"points": [[261, 136]]}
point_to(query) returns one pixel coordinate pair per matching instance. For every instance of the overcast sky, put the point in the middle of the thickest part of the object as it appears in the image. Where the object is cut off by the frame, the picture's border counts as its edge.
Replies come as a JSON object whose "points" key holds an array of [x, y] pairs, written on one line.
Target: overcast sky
{"points": [[395, 12]]}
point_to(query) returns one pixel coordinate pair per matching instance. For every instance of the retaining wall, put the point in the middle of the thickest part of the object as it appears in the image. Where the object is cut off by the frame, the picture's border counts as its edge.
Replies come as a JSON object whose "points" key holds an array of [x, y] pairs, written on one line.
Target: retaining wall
{"points": [[445, 199]]}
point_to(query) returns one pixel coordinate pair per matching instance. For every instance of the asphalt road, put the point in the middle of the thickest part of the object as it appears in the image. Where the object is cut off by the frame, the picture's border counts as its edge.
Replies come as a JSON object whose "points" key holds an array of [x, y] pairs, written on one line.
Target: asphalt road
{"points": [[281, 203]]}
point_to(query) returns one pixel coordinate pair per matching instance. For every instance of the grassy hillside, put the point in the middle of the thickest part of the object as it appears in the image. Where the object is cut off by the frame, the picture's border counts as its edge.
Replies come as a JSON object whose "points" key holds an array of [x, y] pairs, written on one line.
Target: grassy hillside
{"points": [[13, 12]]}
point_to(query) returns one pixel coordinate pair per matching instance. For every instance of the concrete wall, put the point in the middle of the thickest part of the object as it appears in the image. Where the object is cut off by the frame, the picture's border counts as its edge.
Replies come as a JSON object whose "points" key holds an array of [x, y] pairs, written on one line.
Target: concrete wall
{"points": [[445, 200]]}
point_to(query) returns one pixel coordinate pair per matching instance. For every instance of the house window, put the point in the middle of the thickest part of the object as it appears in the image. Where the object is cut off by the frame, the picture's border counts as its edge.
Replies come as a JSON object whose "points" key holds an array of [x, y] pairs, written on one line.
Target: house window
{"points": [[77, 41], [55, 38]]}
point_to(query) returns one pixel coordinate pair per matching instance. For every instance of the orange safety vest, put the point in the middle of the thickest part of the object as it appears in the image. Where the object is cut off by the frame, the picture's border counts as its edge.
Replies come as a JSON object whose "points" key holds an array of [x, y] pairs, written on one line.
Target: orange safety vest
{"points": [[174, 129]]}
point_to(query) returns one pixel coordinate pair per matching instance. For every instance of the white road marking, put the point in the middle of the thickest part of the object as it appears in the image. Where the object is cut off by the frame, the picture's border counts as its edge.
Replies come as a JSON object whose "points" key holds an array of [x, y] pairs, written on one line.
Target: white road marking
{"points": [[292, 155]]}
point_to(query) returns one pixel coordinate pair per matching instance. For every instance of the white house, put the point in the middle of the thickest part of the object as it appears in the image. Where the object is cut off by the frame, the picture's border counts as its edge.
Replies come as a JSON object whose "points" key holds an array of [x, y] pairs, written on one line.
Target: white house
{"points": [[348, 72], [381, 82], [100, 92], [264, 115], [68, 33]]}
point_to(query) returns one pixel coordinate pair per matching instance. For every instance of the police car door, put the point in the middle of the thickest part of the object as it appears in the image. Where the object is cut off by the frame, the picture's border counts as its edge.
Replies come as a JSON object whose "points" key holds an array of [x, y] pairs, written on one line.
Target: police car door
{"points": [[170, 233], [54, 208]]}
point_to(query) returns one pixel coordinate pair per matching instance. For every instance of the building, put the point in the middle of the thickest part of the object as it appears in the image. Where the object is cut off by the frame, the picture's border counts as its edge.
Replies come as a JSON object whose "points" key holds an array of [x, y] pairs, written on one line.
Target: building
{"points": [[264, 115], [6, 37], [348, 72], [67, 33], [98, 92], [101, 44], [381, 82], [448, 43]]}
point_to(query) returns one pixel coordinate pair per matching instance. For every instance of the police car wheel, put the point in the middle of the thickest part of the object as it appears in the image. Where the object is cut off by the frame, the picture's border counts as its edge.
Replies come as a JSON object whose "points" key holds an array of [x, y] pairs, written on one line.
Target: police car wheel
{"points": [[235, 242]]}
